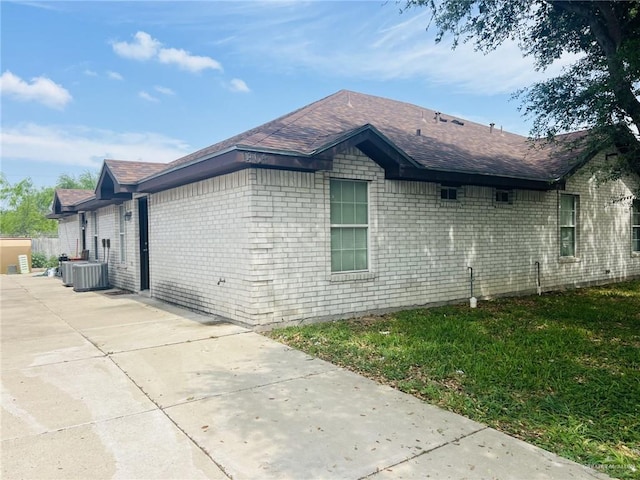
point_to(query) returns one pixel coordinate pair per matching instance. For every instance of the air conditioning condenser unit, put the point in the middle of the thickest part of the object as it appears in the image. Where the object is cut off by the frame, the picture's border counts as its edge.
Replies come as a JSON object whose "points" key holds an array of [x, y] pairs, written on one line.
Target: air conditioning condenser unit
{"points": [[90, 276], [66, 269]]}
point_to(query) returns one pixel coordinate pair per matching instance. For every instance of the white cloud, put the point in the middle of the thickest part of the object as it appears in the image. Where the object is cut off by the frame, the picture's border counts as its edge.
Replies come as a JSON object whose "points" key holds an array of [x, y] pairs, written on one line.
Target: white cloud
{"points": [[186, 61], [86, 147], [90, 73], [114, 75], [237, 85], [164, 90], [144, 47], [314, 36], [149, 98], [40, 89]]}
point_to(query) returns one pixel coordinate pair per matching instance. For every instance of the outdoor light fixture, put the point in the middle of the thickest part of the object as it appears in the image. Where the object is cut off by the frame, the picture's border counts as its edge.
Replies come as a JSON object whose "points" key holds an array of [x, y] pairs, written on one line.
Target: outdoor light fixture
{"points": [[128, 215]]}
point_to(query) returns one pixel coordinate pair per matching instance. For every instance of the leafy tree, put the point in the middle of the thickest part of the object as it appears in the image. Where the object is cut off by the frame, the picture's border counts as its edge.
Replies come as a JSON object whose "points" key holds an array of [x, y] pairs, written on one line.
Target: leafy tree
{"points": [[23, 208], [87, 180], [600, 91]]}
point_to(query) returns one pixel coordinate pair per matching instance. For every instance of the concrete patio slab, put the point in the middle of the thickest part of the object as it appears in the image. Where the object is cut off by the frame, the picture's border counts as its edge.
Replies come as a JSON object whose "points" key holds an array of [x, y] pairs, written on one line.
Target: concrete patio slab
{"points": [[7, 285], [34, 329], [488, 454], [16, 307], [49, 397], [169, 331], [223, 400], [146, 445], [41, 350], [179, 373], [110, 313], [332, 425]]}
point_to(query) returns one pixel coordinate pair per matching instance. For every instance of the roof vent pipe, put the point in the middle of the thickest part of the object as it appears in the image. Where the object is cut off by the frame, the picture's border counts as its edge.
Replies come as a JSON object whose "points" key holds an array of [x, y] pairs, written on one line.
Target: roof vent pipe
{"points": [[491, 125], [418, 132], [437, 117]]}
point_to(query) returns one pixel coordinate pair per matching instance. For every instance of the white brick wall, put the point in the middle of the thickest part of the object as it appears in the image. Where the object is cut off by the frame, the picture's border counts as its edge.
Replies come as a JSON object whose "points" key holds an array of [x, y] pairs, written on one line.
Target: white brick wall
{"points": [[125, 274], [198, 246], [122, 273], [420, 247], [69, 235], [254, 246]]}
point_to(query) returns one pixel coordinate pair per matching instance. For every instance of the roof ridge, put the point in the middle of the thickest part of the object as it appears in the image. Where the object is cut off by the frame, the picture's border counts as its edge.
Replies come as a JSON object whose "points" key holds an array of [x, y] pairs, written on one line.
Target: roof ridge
{"points": [[307, 108], [129, 162], [73, 190], [429, 109]]}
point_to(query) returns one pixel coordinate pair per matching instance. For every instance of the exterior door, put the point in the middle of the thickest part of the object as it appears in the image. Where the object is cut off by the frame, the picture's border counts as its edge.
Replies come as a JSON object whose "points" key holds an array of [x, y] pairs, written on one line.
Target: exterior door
{"points": [[143, 219]]}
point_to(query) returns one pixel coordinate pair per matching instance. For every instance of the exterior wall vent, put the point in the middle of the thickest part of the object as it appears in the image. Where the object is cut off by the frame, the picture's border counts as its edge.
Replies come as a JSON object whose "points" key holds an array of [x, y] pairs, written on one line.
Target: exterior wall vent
{"points": [[90, 276]]}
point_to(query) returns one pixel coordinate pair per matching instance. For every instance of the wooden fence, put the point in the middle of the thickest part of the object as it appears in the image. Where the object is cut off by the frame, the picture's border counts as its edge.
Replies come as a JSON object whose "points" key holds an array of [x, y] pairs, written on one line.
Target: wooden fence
{"points": [[49, 246]]}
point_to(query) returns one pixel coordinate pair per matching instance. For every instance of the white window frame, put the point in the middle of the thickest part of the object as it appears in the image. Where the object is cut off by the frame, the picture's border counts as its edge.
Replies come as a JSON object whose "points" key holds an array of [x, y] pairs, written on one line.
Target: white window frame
{"points": [[344, 227], [635, 226], [94, 218], [82, 232], [565, 226], [122, 233]]}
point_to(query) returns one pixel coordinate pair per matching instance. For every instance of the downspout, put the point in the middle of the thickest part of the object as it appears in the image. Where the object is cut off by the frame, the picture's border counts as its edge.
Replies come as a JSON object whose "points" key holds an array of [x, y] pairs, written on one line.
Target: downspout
{"points": [[538, 286], [473, 301]]}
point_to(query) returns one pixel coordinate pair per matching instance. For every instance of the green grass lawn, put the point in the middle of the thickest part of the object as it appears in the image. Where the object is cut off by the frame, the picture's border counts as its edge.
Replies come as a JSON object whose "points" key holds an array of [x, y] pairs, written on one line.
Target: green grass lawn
{"points": [[561, 370]]}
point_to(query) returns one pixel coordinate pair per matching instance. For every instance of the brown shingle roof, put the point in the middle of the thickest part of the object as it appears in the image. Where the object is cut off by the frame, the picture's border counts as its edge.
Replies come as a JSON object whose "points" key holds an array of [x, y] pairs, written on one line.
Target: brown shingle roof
{"points": [[132, 172], [72, 196], [442, 145]]}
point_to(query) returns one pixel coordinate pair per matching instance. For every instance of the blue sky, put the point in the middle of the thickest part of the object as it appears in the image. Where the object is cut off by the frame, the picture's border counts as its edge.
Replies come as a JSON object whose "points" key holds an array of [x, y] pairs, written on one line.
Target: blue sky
{"points": [[152, 81]]}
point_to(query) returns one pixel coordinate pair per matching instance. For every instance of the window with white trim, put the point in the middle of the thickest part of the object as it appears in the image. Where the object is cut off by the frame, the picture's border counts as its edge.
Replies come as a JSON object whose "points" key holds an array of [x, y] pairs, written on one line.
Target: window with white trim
{"points": [[635, 226], [349, 201], [568, 223], [123, 250], [94, 221]]}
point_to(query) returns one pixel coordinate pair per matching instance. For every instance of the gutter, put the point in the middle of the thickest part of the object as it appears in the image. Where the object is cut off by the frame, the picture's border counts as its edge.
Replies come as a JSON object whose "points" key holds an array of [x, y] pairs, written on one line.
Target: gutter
{"points": [[229, 161]]}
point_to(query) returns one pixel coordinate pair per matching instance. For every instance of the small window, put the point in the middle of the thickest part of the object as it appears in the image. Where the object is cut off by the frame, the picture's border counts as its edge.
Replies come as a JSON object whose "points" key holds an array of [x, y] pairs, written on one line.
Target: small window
{"points": [[448, 193], [349, 225], [635, 226], [123, 249], [568, 223], [504, 196]]}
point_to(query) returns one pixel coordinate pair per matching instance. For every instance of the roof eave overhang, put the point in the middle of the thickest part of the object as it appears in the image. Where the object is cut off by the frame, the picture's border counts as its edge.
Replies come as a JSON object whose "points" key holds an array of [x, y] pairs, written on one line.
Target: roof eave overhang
{"points": [[57, 216], [92, 204], [58, 210], [395, 162], [230, 161], [62, 211], [467, 178], [373, 143], [398, 165]]}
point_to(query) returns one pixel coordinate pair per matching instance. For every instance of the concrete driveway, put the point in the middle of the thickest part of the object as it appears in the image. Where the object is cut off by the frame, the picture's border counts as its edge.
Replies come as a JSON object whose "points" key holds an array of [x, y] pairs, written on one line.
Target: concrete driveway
{"points": [[118, 386]]}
